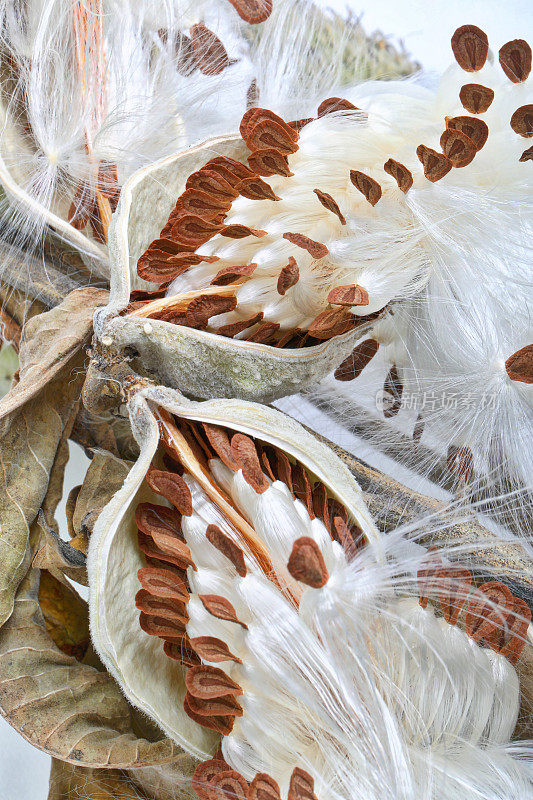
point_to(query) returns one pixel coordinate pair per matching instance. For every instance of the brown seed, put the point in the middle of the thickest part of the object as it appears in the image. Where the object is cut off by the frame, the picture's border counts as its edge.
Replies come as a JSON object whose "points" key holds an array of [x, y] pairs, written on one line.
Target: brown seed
{"points": [[436, 166], [320, 504], [213, 183], [284, 470], [270, 134], [244, 452], [515, 636], [202, 308], [207, 682], [178, 650], [515, 60], [298, 124], [167, 548], [227, 547], [288, 276], [229, 275], [306, 563], [263, 787], [488, 611], [332, 322], [418, 429], [519, 366], [229, 785], [264, 333], [151, 518], [203, 774], [457, 147], [259, 116], [174, 610], [400, 173], [225, 706], [329, 203], [193, 230], [452, 584], [476, 98], [220, 608], [302, 487], [394, 387], [269, 162], [256, 189], [470, 47], [527, 155], [209, 52], [219, 441], [476, 130], [354, 364], [82, 206], [172, 487], [351, 295], [289, 338], [163, 583], [161, 626], [460, 462], [366, 185], [211, 649], [345, 538], [222, 725], [233, 171], [522, 121], [233, 328], [107, 181], [315, 249], [252, 11], [333, 104], [196, 201], [158, 266], [302, 786], [240, 231]]}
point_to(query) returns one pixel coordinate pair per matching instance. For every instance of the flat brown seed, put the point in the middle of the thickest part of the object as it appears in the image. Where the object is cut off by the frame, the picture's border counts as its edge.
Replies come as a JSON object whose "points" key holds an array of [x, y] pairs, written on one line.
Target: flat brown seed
{"points": [[264, 334], [151, 518], [269, 162], [225, 706], [207, 682], [306, 563], [329, 203], [515, 635], [298, 124], [288, 276], [244, 451], [332, 104], [320, 504], [394, 387], [107, 181], [221, 608], [174, 610], [229, 785], [212, 649], [162, 582], [527, 155], [222, 725], [219, 441], [229, 275], [161, 626], [476, 98], [270, 134], [519, 366], [436, 165], [205, 205], [209, 52], [345, 537], [366, 185], [515, 60], [263, 787], [351, 295], [165, 551], [302, 786], [213, 183], [240, 231], [231, 169], [284, 471], [474, 128], [203, 774], [470, 47], [457, 147], [233, 328], [400, 173], [193, 230], [301, 487], [227, 547], [488, 611], [82, 206], [202, 308], [172, 487], [252, 11], [354, 364], [256, 189], [522, 121], [315, 249], [331, 322]]}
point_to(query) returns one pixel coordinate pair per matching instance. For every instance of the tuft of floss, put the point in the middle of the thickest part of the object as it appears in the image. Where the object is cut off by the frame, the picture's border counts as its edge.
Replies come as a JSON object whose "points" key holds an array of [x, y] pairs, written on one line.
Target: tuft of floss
{"points": [[353, 669]]}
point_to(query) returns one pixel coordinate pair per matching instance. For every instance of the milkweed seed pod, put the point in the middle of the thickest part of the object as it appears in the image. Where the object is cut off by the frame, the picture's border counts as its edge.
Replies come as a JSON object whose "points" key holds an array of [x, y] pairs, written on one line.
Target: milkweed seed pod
{"points": [[243, 599], [296, 232]]}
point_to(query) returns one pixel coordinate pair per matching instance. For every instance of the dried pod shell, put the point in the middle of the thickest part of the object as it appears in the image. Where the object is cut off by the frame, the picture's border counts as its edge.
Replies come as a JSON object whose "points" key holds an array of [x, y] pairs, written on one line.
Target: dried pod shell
{"points": [[137, 660], [196, 361]]}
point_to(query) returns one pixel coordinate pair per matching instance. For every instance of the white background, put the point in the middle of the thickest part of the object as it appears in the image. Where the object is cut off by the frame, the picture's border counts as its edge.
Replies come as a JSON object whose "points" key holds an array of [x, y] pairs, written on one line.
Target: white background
{"points": [[425, 26]]}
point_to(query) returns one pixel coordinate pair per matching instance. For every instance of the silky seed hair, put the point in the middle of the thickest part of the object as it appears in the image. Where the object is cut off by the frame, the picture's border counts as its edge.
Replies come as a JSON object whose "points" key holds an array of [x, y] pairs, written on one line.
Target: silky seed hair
{"points": [[327, 637]]}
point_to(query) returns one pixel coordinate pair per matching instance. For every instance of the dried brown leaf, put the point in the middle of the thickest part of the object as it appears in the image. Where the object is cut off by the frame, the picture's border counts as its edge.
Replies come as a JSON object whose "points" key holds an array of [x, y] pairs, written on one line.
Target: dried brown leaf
{"points": [[65, 615]]}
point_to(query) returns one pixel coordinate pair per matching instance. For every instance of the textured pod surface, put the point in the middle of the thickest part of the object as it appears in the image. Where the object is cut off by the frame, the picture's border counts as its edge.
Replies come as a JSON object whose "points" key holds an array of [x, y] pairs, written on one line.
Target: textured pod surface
{"points": [[152, 681], [197, 362]]}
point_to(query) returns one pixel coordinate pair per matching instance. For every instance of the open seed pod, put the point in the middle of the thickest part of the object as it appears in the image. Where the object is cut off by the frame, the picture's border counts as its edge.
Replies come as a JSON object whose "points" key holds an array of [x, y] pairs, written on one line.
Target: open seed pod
{"points": [[261, 481], [239, 589], [189, 353]]}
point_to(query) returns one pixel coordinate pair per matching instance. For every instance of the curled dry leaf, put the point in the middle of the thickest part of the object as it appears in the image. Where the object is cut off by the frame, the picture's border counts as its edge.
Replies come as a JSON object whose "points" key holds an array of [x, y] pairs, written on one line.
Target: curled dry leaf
{"points": [[65, 615], [241, 436]]}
